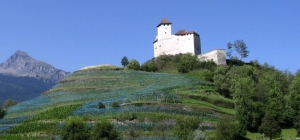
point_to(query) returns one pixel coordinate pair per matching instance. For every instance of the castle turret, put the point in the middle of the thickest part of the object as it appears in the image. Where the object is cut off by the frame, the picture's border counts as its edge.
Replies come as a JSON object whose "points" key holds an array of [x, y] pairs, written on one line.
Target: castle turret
{"points": [[164, 29]]}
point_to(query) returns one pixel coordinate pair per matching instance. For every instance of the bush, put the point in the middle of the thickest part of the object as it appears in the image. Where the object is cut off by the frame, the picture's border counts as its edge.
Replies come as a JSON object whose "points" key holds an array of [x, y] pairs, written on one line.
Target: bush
{"points": [[115, 105], [149, 66], [104, 130], [75, 129], [133, 64], [227, 128], [206, 75], [101, 105], [187, 63], [184, 126]]}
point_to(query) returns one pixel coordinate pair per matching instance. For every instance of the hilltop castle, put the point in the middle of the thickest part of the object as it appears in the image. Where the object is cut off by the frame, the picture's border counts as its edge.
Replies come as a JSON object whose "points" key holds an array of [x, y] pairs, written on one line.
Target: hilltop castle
{"points": [[183, 42]]}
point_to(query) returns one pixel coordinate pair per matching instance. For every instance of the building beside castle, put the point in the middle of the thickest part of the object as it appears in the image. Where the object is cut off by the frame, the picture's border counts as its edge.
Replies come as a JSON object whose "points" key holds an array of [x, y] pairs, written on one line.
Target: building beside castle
{"points": [[183, 42]]}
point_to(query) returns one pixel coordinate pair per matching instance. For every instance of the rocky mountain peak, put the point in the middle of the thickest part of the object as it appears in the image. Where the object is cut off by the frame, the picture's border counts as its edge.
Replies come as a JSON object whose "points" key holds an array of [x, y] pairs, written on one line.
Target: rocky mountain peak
{"points": [[21, 64]]}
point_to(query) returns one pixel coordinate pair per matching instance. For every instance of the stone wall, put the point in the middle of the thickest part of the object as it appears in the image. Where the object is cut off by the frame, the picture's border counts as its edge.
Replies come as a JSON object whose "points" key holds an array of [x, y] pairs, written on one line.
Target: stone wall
{"points": [[218, 56]]}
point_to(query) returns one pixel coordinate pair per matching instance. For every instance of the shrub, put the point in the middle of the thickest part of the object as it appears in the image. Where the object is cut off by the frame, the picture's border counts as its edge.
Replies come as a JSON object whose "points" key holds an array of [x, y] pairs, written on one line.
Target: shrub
{"points": [[149, 66], [187, 63], [206, 75], [133, 64], [186, 125], [104, 130], [227, 128], [75, 129], [101, 105]]}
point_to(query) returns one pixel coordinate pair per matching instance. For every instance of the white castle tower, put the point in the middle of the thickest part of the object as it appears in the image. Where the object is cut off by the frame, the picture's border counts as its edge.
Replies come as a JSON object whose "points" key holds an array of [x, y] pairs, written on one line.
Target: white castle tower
{"points": [[181, 42]]}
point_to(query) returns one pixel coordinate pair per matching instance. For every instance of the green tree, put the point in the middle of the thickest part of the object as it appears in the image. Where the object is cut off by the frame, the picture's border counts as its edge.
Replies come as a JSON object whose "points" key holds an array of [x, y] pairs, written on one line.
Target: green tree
{"points": [[133, 64], [184, 126], [124, 61], [104, 130], [294, 96], [273, 81], [250, 111], [222, 80], [297, 124], [227, 128], [149, 66], [2, 112], [75, 129], [206, 75], [270, 127], [9, 103], [240, 48], [187, 63]]}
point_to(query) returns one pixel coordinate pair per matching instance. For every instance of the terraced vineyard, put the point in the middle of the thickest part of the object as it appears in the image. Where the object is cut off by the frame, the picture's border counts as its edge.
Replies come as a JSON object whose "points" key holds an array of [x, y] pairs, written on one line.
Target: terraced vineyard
{"points": [[149, 102]]}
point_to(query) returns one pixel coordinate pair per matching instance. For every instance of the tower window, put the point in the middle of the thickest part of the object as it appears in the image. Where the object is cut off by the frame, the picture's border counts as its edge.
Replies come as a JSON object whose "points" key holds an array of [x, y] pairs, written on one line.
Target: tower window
{"points": [[165, 32]]}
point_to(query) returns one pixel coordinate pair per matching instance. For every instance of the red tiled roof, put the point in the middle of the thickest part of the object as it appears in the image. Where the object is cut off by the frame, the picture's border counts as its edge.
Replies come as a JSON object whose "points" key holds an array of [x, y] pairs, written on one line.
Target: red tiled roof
{"points": [[164, 21], [183, 32]]}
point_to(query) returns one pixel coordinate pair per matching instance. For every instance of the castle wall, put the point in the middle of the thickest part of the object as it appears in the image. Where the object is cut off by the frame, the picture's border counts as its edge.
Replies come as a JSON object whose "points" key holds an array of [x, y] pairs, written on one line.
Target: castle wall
{"points": [[175, 44], [218, 56]]}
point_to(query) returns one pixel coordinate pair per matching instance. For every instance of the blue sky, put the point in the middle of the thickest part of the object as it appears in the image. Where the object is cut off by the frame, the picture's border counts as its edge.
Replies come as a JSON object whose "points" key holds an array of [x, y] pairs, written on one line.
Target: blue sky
{"points": [[71, 34]]}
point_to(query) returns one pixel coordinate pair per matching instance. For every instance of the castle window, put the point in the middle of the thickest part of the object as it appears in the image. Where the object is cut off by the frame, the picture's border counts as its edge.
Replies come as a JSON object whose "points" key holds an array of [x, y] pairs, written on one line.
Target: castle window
{"points": [[165, 32]]}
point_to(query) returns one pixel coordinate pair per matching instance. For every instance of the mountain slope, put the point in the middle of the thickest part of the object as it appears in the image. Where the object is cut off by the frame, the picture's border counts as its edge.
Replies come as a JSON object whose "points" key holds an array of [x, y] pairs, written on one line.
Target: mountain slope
{"points": [[148, 102], [21, 88], [21, 64], [22, 77]]}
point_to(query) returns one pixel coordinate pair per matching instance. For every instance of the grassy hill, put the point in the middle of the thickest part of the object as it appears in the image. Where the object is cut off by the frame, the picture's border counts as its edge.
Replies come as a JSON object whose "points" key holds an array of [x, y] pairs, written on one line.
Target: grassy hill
{"points": [[149, 102]]}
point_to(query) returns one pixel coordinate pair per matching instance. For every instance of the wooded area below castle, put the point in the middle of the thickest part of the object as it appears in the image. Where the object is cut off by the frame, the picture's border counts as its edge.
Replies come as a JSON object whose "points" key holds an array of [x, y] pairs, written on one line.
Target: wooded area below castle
{"points": [[265, 99]]}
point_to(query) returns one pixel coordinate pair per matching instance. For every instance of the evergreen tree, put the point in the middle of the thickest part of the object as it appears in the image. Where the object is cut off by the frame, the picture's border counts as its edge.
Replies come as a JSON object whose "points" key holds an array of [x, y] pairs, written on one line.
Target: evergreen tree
{"points": [[124, 61]]}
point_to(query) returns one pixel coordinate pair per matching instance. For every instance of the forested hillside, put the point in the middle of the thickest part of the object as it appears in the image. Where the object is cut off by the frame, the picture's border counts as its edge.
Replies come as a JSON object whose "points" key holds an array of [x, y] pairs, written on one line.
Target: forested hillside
{"points": [[21, 88], [257, 90]]}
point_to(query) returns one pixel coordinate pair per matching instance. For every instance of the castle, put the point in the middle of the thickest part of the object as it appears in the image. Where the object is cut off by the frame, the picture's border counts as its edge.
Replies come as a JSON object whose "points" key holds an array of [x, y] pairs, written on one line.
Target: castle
{"points": [[183, 42]]}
